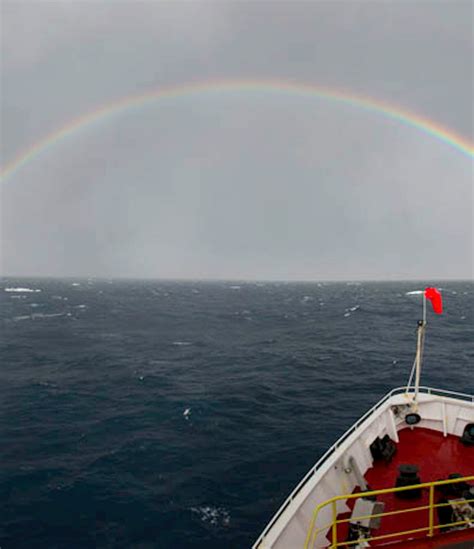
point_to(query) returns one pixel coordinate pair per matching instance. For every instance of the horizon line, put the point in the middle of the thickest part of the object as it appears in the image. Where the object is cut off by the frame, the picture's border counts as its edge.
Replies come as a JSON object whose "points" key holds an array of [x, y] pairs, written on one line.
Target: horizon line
{"points": [[241, 280]]}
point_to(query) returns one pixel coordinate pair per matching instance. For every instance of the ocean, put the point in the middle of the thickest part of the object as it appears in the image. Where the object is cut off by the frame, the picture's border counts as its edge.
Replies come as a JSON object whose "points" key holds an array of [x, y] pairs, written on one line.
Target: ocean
{"points": [[160, 414]]}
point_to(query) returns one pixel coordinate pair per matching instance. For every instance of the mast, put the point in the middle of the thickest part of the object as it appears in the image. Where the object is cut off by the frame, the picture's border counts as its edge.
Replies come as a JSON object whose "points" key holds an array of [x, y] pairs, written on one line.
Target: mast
{"points": [[435, 297], [420, 343]]}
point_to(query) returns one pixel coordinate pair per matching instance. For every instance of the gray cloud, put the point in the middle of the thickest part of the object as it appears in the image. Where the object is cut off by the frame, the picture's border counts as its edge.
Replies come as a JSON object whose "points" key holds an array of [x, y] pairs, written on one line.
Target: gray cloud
{"points": [[237, 185]]}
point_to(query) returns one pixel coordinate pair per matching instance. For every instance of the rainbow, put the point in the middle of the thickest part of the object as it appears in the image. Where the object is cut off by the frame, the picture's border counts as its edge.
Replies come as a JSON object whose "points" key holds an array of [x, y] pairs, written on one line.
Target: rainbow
{"points": [[424, 125]]}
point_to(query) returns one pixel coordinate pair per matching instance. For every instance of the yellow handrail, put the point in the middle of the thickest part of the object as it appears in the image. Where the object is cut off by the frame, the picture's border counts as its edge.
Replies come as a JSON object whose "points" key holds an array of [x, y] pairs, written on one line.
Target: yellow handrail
{"points": [[312, 532], [398, 512], [431, 519]]}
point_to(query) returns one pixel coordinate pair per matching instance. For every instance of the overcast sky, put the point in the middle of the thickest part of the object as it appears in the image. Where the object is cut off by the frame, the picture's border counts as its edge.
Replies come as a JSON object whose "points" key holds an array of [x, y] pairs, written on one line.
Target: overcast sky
{"points": [[242, 184]]}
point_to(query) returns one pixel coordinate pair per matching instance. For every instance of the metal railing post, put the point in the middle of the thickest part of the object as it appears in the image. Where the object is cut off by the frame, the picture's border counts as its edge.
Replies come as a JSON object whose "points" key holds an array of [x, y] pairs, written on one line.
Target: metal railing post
{"points": [[334, 524], [431, 511]]}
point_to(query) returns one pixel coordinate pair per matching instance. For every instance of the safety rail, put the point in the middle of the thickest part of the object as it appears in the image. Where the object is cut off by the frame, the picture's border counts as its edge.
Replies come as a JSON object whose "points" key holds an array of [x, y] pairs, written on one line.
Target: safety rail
{"points": [[346, 435], [436, 392], [331, 527]]}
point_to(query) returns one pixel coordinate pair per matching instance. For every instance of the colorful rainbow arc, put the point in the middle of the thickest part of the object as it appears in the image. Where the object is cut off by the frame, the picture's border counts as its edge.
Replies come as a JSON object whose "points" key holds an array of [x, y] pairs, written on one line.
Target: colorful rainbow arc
{"points": [[425, 125]]}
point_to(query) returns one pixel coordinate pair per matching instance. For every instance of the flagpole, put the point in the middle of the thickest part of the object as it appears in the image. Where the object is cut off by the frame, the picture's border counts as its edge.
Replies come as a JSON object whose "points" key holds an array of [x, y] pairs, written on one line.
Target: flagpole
{"points": [[419, 349], [424, 308], [436, 301]]}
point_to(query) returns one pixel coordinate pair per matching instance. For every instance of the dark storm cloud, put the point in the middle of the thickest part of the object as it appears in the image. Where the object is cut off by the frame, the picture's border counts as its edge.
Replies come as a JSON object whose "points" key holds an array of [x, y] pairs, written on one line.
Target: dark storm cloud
{"points": [[237, 186]]}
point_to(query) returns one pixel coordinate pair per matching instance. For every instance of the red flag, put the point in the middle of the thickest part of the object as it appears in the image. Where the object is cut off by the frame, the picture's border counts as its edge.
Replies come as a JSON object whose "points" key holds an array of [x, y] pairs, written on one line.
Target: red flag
{"points": [[435, 297]]}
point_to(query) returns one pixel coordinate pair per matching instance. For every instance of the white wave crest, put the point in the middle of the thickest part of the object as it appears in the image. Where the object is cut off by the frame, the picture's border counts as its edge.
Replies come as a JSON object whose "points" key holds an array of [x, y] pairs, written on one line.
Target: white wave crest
{"points": [[216, 516], [37, 316], [22, 290]]}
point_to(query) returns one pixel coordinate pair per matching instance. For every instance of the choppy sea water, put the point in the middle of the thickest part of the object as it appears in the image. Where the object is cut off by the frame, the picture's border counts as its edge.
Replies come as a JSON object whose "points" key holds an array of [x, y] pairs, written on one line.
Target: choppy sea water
{"points": [[153, 414]]}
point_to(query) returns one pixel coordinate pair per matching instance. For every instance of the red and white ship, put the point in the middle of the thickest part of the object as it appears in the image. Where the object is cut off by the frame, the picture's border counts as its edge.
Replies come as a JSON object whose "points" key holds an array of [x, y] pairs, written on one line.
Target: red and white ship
{"points": [[402, 476]]}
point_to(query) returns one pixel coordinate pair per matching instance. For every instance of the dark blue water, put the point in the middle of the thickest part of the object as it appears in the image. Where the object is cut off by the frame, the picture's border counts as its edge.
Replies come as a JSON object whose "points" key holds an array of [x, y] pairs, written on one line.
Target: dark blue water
{"points": [[181, 415]]}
